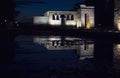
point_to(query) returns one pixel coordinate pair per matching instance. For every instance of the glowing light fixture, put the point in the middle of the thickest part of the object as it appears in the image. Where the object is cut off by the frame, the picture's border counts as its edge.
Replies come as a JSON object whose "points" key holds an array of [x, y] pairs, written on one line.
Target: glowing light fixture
{"points": [[87, 22]]}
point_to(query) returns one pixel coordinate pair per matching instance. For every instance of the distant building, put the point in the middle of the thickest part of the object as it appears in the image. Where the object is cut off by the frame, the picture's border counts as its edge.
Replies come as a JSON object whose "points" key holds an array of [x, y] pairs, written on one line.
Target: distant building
{"points": [[104, 14], [7, 12], [82, 18]]}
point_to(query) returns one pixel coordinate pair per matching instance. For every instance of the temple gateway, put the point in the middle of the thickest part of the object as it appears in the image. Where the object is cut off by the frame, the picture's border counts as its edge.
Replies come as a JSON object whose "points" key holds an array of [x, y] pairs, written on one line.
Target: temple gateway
{"points": [[82, 18]]}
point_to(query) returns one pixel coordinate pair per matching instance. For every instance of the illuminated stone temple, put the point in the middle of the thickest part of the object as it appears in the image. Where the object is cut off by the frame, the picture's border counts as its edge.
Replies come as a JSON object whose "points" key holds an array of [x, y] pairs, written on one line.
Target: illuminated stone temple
{"points": [[82, 18]]}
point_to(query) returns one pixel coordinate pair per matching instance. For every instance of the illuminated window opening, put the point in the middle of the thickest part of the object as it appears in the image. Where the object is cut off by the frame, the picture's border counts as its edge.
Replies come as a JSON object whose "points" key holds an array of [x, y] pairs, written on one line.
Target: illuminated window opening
{"points": [[53, 17], [68, 18], [72, 17], [57, 18]]}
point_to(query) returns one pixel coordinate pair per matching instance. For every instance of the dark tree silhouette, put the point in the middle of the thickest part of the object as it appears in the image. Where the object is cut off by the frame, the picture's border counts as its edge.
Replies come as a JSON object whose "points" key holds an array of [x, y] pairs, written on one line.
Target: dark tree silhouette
{"points": [[7, 11], [77, 6], [104, 13], [90, 2], [7, 44], [86, 2]]}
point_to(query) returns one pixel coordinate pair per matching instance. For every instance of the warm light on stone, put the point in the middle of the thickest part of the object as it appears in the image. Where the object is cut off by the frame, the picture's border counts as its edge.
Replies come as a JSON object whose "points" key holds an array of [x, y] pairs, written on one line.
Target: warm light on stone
{"points": [[73, 23], [83, 17], [88, 23]]}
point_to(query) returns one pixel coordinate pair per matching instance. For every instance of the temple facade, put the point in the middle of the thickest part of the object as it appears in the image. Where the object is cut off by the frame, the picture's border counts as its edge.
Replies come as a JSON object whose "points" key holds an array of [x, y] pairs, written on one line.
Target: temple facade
{"points": [[82, 18]]}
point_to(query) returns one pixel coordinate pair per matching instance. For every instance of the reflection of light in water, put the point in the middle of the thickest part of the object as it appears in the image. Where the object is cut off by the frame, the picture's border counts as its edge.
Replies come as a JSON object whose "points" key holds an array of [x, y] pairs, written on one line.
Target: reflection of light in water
{"points": [[52, 38], [40, 40], [116, 60], [117, 51], [84, 49], [72, 39], [43, 39]]}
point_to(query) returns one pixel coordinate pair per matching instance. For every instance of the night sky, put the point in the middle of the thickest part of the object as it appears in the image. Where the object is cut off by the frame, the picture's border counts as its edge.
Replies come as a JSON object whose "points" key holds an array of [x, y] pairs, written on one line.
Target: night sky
{"points": [[28, 9]]}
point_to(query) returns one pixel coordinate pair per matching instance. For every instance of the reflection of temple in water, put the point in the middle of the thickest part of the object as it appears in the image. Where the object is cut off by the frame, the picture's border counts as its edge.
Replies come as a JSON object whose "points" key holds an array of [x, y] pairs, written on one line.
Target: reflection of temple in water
{"points": [[83, 48], [117, 51], [116, 56]]}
